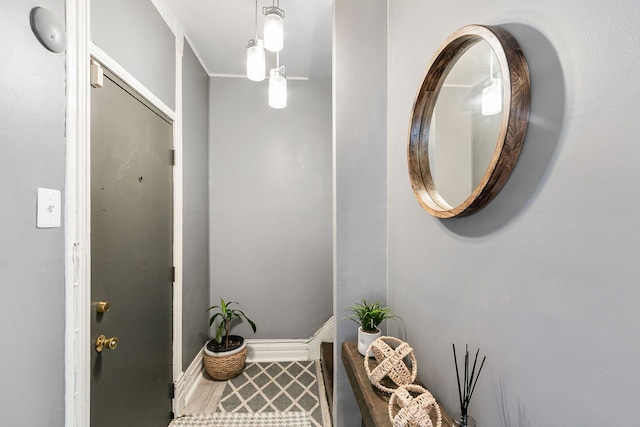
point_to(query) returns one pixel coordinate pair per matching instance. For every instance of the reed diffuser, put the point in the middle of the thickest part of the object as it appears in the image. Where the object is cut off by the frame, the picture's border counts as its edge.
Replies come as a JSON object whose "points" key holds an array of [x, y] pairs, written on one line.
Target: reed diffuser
{"points": [[466, 388]]}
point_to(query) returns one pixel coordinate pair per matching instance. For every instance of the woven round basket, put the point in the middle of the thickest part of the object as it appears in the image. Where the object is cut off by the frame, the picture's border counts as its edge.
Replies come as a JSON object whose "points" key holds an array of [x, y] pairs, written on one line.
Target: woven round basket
{"points": [[225, 367], [414, 410], [390, 353]]}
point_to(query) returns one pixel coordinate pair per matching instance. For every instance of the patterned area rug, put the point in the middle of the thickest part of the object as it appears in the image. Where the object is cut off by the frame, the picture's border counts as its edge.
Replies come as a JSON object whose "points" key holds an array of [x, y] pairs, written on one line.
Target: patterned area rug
{"points": [[265, 419], [276, 387]]}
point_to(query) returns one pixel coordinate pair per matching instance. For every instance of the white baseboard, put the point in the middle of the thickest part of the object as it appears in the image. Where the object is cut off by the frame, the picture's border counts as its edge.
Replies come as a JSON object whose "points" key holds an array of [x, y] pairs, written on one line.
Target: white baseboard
{"points": [[290, 350], [325, 334], [277, 350], [186, 384]]}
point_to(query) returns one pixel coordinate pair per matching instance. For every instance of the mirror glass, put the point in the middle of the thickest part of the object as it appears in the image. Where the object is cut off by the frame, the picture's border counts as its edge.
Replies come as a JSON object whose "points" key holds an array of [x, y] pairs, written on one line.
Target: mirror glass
{"points": [[466, 123]]}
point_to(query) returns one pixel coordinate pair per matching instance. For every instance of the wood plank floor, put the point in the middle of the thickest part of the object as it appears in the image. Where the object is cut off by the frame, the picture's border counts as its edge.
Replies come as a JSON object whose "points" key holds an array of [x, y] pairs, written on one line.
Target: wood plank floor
{"points": [[206, 396]]}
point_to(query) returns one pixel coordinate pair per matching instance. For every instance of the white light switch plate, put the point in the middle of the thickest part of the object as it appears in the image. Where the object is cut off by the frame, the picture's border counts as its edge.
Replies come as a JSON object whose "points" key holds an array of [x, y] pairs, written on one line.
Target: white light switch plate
{"points": [[48, 208]]}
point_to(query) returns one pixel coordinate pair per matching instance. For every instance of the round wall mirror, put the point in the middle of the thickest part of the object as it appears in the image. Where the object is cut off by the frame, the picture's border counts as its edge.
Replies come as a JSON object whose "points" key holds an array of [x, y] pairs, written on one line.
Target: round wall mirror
{"points": [[468, 121]]}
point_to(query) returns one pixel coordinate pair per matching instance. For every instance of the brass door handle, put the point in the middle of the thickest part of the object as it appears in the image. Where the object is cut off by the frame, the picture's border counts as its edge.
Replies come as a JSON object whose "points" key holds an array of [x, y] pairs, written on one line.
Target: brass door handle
{"points": [[103, 342], [103, 306]]}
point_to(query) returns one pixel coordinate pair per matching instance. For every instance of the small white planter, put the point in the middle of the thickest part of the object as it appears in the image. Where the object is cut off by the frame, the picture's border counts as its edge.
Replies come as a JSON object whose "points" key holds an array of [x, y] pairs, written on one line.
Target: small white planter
{"points": [[225, 353], [365, 339]]}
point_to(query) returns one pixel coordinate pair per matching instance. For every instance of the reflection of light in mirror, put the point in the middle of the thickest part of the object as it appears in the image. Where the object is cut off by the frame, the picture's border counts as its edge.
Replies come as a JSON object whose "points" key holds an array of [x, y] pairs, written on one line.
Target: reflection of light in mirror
{"points": [[277, 88], [492, 98]]}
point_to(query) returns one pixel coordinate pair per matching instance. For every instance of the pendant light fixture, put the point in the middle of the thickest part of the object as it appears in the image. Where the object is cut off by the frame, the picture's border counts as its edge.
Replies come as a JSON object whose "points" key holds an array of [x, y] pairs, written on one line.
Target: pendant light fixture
{"points": [[277, 86], [255, 55], [492, 98], [273, 27], [492, 94]]}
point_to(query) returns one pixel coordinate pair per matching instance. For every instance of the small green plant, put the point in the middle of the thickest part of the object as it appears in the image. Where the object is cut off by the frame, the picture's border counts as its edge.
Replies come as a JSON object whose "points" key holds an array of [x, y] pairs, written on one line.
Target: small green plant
{"points": [[369, 315], [227, 315]]}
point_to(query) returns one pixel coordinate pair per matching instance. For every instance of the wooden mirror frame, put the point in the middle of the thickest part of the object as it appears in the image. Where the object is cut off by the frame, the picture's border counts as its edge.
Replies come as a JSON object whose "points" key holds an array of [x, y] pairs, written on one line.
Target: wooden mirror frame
{"points": [[515, 117]]}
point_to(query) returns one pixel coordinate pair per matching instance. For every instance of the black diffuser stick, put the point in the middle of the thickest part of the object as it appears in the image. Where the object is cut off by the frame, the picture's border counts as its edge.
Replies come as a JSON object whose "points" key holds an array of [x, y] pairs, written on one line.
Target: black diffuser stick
{"points": [[473, 370], [466, 378], [476, 382], [455, 360], [470, 379]]}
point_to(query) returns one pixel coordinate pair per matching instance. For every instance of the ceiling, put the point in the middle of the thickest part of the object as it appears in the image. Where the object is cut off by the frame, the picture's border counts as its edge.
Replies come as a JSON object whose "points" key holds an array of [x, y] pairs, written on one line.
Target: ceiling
{"points": [[218, 30]]}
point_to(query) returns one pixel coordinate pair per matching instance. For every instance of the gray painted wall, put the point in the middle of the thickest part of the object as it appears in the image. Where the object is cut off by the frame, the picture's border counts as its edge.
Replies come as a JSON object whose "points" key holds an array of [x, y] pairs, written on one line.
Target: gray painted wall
{"points": [[271, 205], [360, 173], [545, 279], [195, 152], [135, 35], [32, 118]]}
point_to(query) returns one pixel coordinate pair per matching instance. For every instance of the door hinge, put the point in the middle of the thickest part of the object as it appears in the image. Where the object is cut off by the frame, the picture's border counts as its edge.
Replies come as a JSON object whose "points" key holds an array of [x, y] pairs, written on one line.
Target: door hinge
{"points": [[97, 74], [173, 274], [173, 157], [173, 391]]}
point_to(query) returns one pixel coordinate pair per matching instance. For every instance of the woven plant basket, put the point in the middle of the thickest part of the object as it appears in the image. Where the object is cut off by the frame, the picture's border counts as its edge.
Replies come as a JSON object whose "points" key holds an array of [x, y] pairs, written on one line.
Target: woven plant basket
{"points": [[225, 367]]}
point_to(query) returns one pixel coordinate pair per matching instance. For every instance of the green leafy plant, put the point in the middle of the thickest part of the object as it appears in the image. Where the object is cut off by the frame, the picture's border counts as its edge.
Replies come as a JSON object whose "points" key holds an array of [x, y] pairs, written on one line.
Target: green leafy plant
{"points": [[227, 315], [369, 315]]}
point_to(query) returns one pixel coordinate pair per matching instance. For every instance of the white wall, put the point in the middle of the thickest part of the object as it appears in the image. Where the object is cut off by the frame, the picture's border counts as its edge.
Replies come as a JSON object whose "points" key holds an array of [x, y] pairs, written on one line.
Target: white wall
{"points": [[545, 279], [271, 205]]}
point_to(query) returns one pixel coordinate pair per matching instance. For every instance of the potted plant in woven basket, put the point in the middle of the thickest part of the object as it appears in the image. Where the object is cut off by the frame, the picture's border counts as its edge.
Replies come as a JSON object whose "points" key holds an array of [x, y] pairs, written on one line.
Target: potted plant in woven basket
{"points": [[226, 354], [368, 316]]}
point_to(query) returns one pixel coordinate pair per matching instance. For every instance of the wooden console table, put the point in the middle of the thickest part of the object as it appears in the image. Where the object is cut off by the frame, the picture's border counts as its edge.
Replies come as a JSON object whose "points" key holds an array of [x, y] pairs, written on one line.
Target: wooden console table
{"points": [[372, 402]]}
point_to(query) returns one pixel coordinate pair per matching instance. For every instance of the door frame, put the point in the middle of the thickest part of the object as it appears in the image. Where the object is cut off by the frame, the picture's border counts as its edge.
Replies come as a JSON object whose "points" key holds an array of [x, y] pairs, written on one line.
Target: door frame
{"points": [[78, 342]]}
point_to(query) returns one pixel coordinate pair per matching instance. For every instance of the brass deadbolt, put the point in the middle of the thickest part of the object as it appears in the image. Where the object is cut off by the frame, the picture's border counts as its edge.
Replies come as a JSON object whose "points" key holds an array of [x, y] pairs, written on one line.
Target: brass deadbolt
{"points": [[103, 342], [103, 307]]}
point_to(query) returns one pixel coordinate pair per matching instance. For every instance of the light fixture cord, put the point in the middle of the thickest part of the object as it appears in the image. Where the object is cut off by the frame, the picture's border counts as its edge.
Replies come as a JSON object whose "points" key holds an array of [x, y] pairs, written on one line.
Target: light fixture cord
{"points": [[256, 20], [491, 64], [278, 60]]}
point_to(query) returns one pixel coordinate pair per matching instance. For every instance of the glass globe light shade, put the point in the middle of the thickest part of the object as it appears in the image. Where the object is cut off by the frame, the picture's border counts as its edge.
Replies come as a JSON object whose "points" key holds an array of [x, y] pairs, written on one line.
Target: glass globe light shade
{"points": [[255, 60], [492, 98], [273, 29]]}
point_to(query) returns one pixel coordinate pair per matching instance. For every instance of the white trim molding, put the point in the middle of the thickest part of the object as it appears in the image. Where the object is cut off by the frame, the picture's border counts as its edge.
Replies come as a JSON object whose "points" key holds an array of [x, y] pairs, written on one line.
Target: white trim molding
{"points": [[290, 350], [77, 218], [178, 192], [172, 22], [168, 16], [108, 62], [277, 350], [244, 76], [187, 383], [326, 333]]}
